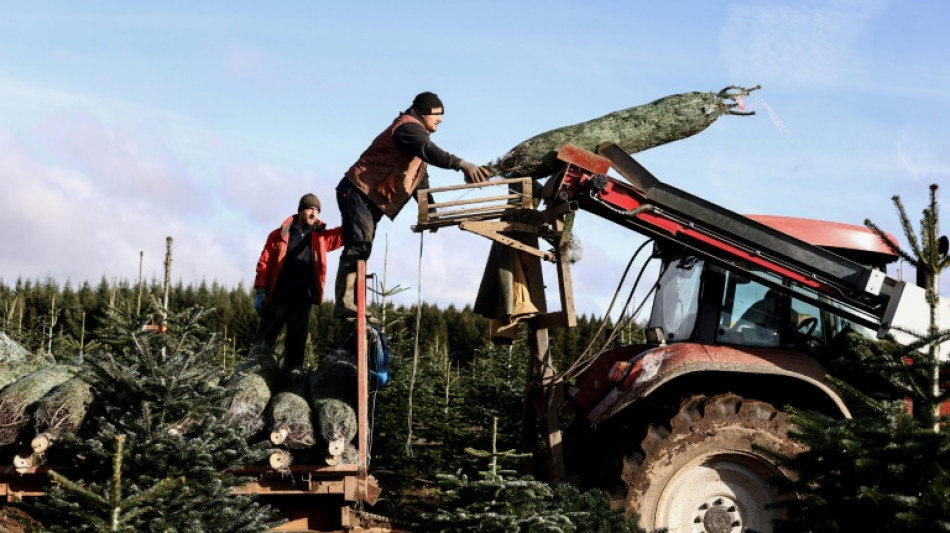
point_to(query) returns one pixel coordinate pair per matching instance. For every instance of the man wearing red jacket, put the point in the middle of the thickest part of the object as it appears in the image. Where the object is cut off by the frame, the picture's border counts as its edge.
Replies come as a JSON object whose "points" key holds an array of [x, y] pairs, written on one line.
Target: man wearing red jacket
{"points": [[383, 179], [290, 277]]}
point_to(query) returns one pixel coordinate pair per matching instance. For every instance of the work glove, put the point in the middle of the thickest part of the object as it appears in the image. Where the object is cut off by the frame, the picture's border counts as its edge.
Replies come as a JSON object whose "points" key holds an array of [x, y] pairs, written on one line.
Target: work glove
{"points": [[474, 173], [259, 301]]}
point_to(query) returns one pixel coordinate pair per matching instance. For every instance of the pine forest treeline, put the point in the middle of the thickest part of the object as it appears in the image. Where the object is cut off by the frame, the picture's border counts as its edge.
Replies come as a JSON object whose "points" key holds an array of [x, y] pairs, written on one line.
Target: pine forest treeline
{"points": [[46, 316]]}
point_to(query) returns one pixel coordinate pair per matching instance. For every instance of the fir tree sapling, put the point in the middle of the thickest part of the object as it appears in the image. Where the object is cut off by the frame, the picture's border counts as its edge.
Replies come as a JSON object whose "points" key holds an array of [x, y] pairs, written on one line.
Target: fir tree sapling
{"points": [[499, 501], [110, 510], [888, 468]]}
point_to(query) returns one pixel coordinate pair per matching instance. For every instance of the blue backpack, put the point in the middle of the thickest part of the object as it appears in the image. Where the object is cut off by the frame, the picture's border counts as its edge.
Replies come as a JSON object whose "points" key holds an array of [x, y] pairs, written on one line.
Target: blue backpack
{"points": [[378, 354]]}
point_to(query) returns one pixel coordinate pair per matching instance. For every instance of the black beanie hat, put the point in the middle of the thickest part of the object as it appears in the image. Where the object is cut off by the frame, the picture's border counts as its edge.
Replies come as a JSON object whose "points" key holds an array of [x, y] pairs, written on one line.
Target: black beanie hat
{"points": [[425, 102], [308, 200]]}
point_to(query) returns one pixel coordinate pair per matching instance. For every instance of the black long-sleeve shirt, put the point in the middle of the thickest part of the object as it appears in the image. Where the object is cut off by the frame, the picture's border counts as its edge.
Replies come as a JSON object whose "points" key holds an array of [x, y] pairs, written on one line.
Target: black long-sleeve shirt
{"points": [[414, 138]]}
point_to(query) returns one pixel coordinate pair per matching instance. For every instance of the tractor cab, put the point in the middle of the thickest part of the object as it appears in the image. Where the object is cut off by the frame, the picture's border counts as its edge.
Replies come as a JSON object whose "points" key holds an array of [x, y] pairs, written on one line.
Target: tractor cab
{"points": [[700, 301]]}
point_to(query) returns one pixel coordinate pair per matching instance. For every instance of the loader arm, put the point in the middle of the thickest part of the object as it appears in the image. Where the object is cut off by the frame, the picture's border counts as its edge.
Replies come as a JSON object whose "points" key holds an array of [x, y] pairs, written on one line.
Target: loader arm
{"points": [[862, 294]]}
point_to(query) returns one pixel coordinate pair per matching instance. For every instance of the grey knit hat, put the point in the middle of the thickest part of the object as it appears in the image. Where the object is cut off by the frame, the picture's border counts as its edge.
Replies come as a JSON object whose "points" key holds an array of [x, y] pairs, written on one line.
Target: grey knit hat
{"points": [[308, 200]]}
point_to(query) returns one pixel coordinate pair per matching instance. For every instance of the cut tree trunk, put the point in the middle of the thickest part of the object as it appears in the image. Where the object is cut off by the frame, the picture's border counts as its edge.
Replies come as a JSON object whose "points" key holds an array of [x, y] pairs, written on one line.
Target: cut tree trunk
{"points": [[349, 456], [290, 414], [24, 462], [336, 423], [333, 398], [633, 129], [280, 459], [60, 412]]}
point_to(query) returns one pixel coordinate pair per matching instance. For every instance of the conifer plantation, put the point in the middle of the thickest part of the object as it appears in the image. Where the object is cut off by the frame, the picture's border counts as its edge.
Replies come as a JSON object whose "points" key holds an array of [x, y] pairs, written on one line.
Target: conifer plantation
{"points": [[163, 399]]}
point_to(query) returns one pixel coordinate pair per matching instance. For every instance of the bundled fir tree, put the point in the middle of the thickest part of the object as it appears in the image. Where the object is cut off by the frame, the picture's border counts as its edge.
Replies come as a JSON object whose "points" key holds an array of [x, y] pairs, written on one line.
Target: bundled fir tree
{"points": [[162, 394], [888, 468]]}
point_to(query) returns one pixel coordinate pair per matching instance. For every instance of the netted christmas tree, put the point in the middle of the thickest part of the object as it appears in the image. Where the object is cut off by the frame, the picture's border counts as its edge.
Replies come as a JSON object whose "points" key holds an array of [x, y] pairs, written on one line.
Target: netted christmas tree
{"points": [[888, 468], [501, 501], [160, 391]]}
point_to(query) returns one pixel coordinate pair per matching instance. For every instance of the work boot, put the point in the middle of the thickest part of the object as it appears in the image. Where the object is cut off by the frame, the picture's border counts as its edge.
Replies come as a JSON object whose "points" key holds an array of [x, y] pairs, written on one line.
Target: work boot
{"points": [[370, 319], [345, 304]]}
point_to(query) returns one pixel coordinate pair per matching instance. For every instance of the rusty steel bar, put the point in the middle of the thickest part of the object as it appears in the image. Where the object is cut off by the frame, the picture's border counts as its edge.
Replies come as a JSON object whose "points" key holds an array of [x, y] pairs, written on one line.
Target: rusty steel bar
{"points": [[362, 370]]}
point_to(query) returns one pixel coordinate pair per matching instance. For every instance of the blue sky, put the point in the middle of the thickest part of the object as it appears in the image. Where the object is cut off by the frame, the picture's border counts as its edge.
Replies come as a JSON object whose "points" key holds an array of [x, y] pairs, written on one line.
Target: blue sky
{"points": [[122, 123]]}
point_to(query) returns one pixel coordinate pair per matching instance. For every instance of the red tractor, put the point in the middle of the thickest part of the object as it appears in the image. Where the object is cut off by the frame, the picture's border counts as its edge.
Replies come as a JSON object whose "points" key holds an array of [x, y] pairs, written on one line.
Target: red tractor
{"points": [[742, 311]]}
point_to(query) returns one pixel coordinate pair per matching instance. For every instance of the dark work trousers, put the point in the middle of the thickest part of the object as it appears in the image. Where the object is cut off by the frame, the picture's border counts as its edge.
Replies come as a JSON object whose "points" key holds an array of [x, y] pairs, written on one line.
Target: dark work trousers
{"points": [[359, 217], [297, 317]]}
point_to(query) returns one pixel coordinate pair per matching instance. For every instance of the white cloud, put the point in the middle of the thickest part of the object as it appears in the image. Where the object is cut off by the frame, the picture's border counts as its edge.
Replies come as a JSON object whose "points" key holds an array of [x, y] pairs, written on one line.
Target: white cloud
{"points": [[64, 223], [121, 164]]}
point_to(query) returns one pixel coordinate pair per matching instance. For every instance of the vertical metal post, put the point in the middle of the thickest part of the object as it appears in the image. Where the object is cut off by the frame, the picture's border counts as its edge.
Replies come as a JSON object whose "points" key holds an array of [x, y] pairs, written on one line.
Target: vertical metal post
{"points": [[362, 370]]}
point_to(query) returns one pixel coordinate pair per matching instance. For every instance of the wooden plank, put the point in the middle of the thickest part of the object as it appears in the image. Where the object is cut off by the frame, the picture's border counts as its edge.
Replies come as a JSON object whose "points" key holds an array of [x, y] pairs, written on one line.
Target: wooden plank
{"points": [[291, 486], [502, 209], [557, 319], [489, 183], [422, 200], [432, 224], [565, 282], [544, 400], [471, 201], [434, 214], [501, 226], [507, 241], [351, 489], [314, 470], [295, 525]]}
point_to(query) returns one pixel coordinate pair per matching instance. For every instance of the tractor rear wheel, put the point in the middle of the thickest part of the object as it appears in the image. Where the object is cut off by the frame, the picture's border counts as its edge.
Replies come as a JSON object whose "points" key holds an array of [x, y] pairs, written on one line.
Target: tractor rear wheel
{"points": [[703, 472]]}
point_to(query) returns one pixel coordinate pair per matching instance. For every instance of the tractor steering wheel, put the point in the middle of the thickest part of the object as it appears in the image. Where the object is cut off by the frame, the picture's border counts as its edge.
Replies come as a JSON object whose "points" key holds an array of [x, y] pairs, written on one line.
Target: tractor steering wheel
{"points": [[807, 326]]}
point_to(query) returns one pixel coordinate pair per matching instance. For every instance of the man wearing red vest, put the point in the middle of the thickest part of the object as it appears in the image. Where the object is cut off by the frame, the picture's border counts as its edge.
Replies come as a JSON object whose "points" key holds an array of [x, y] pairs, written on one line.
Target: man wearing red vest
{"points": [[383, 179], [291, 273]]}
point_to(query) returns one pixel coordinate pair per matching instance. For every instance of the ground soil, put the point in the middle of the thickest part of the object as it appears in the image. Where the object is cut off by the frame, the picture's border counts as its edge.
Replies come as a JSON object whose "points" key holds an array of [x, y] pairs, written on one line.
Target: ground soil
{"points": [[11, 521]]}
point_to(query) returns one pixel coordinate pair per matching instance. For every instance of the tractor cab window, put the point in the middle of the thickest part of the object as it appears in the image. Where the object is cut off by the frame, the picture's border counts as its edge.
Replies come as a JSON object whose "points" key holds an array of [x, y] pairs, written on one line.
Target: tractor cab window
{"points": [[677, 298], [807, 327], [750, 314], [753, 314]]}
